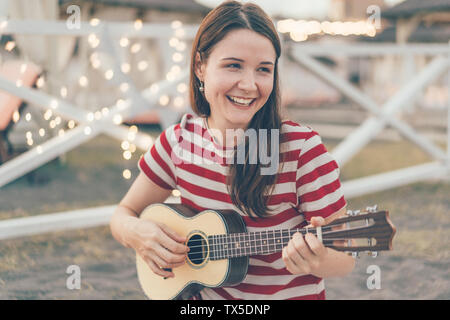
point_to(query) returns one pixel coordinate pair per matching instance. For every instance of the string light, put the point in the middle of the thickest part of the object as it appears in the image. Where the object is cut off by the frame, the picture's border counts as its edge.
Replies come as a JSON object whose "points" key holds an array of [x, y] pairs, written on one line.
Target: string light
{"points": [[87, 131], [16, 116], [135, 48], [117, 119], [124, 42], [129, 148], [138, 24], [23, 68], [54, 104], [178, 102], [83, 81], [95, 60], [40, 82], [71, 124], [90, 116], [142, 65], [164, 100], [127, 155], [109, 74], [3, 24], [94, 22], [177, 57], [126, 174], [10, 45], [125, 145], [176, 24], [173, 42], [93, 40], [97, 115], [105, 111], [182, 87], [48, 114], [300, 30], [124, 87], [125, 67], [180, 33], [63, 92], [154, 88]]}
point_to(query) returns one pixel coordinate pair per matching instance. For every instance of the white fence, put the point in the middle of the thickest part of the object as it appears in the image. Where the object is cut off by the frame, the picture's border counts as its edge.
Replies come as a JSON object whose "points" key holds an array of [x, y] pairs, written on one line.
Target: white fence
{"points": [[380, 117]]}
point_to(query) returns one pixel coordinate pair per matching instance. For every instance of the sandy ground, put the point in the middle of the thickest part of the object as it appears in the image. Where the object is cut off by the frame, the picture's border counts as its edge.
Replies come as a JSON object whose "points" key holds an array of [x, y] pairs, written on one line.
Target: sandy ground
{"points": [[35, 267], [108, 272]]}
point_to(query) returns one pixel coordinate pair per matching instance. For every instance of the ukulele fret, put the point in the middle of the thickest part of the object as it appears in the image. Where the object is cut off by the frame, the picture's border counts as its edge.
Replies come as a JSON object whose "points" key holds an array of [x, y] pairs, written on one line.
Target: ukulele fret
{"points": [[278, 244], [252, 244], [240, 244], [237, 246], [222, 253]]}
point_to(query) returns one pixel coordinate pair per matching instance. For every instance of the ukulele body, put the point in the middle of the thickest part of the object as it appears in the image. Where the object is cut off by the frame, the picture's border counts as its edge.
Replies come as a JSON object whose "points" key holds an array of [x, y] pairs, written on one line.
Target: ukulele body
{"points": [[198, 271]]}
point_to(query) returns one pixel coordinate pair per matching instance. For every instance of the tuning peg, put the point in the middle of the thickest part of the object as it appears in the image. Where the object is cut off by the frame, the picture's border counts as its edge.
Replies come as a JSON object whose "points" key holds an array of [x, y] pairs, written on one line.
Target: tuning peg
{"points": [[355, 254], [353, 213], [372, 208], [373, 254]]}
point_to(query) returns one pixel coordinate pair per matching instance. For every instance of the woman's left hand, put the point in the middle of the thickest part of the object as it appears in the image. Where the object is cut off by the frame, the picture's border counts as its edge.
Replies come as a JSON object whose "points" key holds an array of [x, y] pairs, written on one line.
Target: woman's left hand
{"points": [[305, 255]]}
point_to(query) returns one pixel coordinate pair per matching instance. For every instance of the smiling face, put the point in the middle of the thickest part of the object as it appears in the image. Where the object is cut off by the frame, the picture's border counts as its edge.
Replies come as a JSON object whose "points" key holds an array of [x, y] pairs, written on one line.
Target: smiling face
{"points": [[238, 78]]}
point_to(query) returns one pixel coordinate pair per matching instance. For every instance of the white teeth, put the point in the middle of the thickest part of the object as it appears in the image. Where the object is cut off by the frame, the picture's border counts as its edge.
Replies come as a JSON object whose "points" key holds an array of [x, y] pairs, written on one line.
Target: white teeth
{"points": [[241, 101]]}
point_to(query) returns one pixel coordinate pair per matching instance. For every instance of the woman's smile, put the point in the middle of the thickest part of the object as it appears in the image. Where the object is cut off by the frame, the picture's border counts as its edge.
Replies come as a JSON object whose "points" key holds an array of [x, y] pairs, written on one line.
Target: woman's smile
{"points": [[241, 103]]}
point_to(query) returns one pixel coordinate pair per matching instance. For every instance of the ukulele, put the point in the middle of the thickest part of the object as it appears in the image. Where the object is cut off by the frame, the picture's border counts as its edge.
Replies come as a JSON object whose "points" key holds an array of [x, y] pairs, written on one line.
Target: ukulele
{"points": [[220, 245]]}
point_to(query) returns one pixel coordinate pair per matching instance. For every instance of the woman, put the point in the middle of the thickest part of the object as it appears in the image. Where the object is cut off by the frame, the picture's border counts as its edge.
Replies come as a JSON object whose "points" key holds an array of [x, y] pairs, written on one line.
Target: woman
{"points": [[234, 88]]}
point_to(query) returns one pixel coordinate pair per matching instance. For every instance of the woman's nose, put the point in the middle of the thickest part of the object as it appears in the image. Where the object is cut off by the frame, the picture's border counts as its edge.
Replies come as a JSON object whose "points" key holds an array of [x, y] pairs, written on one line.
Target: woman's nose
{"points": [[247, 82]]}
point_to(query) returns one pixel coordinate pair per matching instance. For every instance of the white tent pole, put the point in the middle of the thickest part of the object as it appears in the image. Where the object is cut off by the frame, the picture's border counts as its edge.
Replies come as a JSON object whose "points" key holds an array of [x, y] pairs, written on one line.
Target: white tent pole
{"points": [[393, 179], [371, 127], [361, 136]]}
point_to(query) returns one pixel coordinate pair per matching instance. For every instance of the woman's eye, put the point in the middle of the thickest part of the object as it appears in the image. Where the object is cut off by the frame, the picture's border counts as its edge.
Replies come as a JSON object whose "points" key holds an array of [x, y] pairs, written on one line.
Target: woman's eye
{"points": [[234, 65], [237, 65]]}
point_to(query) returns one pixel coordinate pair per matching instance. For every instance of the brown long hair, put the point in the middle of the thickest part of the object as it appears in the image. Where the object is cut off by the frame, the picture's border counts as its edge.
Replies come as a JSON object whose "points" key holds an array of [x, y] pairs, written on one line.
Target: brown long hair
{"points": [[248, 189]]}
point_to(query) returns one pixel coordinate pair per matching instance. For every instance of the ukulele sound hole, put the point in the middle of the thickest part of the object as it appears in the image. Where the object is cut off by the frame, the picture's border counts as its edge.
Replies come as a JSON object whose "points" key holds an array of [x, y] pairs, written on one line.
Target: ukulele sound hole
{"points": [[198, 252]]}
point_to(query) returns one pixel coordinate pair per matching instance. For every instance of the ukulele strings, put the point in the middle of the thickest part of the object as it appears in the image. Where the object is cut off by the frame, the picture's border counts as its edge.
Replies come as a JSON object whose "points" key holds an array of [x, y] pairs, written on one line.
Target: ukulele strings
{"points": [[225, 253], [228, 242], [283, 236]]}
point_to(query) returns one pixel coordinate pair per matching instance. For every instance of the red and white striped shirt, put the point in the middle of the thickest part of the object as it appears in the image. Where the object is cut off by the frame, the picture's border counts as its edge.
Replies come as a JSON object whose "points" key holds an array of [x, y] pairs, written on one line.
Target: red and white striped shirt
{"points": [[307, 186]]}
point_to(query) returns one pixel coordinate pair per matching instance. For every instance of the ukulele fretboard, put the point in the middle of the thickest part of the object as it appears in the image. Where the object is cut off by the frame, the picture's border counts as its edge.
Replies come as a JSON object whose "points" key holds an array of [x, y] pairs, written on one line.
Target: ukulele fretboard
{"points": [[235, 245]]}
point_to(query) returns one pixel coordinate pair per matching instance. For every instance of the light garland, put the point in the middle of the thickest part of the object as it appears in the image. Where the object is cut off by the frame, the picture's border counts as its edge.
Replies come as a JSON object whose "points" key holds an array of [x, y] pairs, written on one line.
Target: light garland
{"points": [[129, 148], [300, 30], [96, 62]]}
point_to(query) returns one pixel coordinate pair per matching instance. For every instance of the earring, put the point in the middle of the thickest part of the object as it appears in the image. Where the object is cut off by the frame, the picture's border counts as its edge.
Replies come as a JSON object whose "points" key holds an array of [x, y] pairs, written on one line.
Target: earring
{"points": [[201, 88]]}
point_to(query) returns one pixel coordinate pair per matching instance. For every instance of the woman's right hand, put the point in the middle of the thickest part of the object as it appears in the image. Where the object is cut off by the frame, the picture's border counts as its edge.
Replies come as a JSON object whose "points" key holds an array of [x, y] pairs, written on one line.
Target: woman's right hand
{"points": [[158, 245]]}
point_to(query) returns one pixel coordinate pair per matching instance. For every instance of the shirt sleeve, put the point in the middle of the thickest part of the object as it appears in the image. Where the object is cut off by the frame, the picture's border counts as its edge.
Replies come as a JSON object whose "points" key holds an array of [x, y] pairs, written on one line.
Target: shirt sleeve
{"points": [[319, 190], [157, 162]]}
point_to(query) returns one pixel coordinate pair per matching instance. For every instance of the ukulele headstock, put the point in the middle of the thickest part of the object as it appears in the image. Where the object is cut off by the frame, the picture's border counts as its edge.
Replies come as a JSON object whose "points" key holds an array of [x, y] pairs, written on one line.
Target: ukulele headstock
{"points": [[358, 231]]}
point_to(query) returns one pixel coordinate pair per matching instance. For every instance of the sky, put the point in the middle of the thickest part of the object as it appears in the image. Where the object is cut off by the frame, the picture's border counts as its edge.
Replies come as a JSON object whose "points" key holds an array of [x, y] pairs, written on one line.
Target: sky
{"points": [[297, 9]]}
